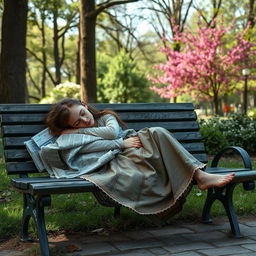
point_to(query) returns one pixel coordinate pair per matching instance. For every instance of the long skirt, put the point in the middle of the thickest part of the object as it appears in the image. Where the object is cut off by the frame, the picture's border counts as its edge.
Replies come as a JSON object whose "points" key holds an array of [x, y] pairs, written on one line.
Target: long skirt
{"points": [[149, 179]]}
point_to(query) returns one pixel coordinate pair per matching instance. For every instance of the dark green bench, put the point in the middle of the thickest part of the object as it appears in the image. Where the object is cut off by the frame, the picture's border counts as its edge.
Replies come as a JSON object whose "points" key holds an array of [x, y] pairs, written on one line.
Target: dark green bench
{"points": [[21, 121]]}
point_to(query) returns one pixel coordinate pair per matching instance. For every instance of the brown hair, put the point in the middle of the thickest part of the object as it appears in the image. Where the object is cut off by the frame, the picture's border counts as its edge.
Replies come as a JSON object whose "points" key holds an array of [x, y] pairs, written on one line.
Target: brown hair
{"points": [[58, 116]]}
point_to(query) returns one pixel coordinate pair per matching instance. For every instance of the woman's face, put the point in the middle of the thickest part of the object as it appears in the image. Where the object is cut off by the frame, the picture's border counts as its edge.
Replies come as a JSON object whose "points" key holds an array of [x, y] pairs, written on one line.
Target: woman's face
{"points": [[80, 117]]}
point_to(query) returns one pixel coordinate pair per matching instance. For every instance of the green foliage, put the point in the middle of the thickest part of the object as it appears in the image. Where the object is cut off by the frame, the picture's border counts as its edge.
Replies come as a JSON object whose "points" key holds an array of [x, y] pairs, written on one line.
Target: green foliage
{"points": [[41, 48], [103, 61], [240, 131], [124, 82], [237, 130], [252, 113], [213, 138], [61, 91]]}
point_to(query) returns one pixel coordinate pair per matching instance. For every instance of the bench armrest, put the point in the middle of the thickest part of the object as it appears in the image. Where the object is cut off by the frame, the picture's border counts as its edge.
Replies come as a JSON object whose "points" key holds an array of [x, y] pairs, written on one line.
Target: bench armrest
{"points": [[244, 155]]}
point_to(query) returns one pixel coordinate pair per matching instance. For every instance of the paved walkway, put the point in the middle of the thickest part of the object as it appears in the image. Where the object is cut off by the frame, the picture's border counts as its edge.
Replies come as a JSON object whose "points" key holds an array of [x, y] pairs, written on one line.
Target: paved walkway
{"points": [[175, 240]]}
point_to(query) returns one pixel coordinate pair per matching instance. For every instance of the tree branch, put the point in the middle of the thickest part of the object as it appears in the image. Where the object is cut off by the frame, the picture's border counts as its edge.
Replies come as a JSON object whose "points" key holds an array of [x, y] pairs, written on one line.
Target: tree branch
{"points": [[38, 59], [33, 81], [186, 15], [107, 4]]}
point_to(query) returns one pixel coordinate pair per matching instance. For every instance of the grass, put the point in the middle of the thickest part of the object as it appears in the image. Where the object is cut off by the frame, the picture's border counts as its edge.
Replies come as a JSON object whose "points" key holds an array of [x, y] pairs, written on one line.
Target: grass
{"points": [[81, 212]]}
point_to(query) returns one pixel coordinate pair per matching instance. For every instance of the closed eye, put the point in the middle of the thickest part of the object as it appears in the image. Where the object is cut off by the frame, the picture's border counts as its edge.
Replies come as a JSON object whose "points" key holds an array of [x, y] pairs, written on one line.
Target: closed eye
{"points": [[77, 122]]}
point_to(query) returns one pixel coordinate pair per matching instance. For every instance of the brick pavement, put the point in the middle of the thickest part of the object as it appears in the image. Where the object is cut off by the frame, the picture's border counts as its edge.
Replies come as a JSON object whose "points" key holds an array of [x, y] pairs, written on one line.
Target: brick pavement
{"points": [[183, 239]]}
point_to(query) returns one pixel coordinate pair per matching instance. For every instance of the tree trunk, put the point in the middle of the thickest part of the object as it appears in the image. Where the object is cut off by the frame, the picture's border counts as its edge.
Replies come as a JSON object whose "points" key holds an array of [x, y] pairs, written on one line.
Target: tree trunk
{"points": [[56, 46], [78, 58], [254, 99], [216, 104], [87, 51], [44, 59], [13, 52], [88, 16]]}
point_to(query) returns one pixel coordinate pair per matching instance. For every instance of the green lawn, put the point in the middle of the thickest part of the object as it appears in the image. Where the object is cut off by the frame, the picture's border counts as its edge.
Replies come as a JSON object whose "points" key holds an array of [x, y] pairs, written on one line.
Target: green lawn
{"points": [[81, 212]]}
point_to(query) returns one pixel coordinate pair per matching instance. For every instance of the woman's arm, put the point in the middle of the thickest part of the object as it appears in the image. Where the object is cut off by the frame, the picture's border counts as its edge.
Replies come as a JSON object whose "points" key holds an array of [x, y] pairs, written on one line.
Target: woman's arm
{"points": [[103, 145], [108, 131]]}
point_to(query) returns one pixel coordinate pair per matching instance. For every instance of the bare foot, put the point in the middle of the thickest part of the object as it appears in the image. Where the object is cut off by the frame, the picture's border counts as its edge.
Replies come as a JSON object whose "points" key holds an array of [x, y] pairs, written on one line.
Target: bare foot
{"points": [[207, 180]]}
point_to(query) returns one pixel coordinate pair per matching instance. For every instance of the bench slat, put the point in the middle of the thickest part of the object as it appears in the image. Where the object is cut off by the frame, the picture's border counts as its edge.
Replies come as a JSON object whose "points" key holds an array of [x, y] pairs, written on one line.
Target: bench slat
{"points": [[147, 107], [18, 142], [20, 168], [24, 130], [15, 142], [16, 155], [125, 116], [241, 175], [155, 116], [201, 157], [23, 183], [14, 168], [194, 147], [171, 126], [224, 170], [23, 118], [24, 108], [63, 186], [12, 155]]}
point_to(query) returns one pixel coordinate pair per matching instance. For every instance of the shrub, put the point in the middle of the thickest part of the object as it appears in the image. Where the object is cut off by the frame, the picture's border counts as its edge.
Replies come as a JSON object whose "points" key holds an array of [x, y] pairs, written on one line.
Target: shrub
{"points": [[61, 91], [237, 130], [213, 138], [240, 131], [252, 113], [123, 81]]}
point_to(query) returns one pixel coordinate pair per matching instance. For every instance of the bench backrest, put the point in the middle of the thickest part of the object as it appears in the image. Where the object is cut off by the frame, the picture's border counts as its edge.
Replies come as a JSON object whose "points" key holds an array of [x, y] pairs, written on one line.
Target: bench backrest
{"points": [[21, 121]]}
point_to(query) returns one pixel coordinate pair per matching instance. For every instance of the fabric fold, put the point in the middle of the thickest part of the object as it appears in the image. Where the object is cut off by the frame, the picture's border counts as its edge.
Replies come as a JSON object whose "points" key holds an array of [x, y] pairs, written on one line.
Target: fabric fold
{"points": [[151, 179], [148, 180]]}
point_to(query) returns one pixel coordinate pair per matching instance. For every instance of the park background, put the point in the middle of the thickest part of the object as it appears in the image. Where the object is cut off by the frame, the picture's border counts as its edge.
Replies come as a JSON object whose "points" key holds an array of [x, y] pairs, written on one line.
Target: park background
{"points": [[111, 48], [122, 51]]}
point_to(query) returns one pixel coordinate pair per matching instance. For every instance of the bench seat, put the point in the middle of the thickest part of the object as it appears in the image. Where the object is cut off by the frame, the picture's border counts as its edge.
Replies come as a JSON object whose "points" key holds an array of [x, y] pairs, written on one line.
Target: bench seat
{"points": [[47, 185]]}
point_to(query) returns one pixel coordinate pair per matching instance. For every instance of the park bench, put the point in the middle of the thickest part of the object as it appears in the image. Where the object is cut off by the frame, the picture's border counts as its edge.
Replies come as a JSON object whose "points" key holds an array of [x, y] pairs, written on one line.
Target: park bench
{"points": [[21, 121]]}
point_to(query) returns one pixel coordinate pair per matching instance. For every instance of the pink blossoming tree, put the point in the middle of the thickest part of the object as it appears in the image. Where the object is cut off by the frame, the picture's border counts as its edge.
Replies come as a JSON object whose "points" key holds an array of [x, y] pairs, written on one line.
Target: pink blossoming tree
{"points": [[206, 67]]}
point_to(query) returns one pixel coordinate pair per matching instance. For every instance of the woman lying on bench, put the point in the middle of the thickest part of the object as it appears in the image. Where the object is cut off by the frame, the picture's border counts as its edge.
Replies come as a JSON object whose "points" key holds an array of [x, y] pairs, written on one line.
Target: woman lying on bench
{"points": [[148, 171]]}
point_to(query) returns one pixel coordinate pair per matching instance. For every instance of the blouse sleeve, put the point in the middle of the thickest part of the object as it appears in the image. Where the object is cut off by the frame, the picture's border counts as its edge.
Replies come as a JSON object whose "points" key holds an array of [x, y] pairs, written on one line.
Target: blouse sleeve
{"points": [[102, 145], [108, 131]]}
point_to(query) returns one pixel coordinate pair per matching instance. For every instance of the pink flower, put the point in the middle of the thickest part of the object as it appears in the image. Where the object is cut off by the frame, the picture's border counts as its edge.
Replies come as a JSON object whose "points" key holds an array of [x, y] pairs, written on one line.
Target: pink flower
{"points": [[207, 66]]}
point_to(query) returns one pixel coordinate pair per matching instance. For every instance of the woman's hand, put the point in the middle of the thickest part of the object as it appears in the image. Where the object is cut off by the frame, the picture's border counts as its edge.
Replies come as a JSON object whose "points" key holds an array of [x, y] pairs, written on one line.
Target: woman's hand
{"points": [[133, 142], [68, 131]]}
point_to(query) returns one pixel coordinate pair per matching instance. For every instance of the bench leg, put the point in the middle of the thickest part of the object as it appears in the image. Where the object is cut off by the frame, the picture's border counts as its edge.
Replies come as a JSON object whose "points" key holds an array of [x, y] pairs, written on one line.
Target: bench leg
{"points": [[225, 196], [211, 197], [229, 206], [25, 219], [34, 207], [38, 217]]}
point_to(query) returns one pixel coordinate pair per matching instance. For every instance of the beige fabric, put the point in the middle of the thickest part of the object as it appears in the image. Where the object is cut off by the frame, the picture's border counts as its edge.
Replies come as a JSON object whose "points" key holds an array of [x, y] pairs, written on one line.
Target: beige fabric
{"points": [[148, 180]]}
